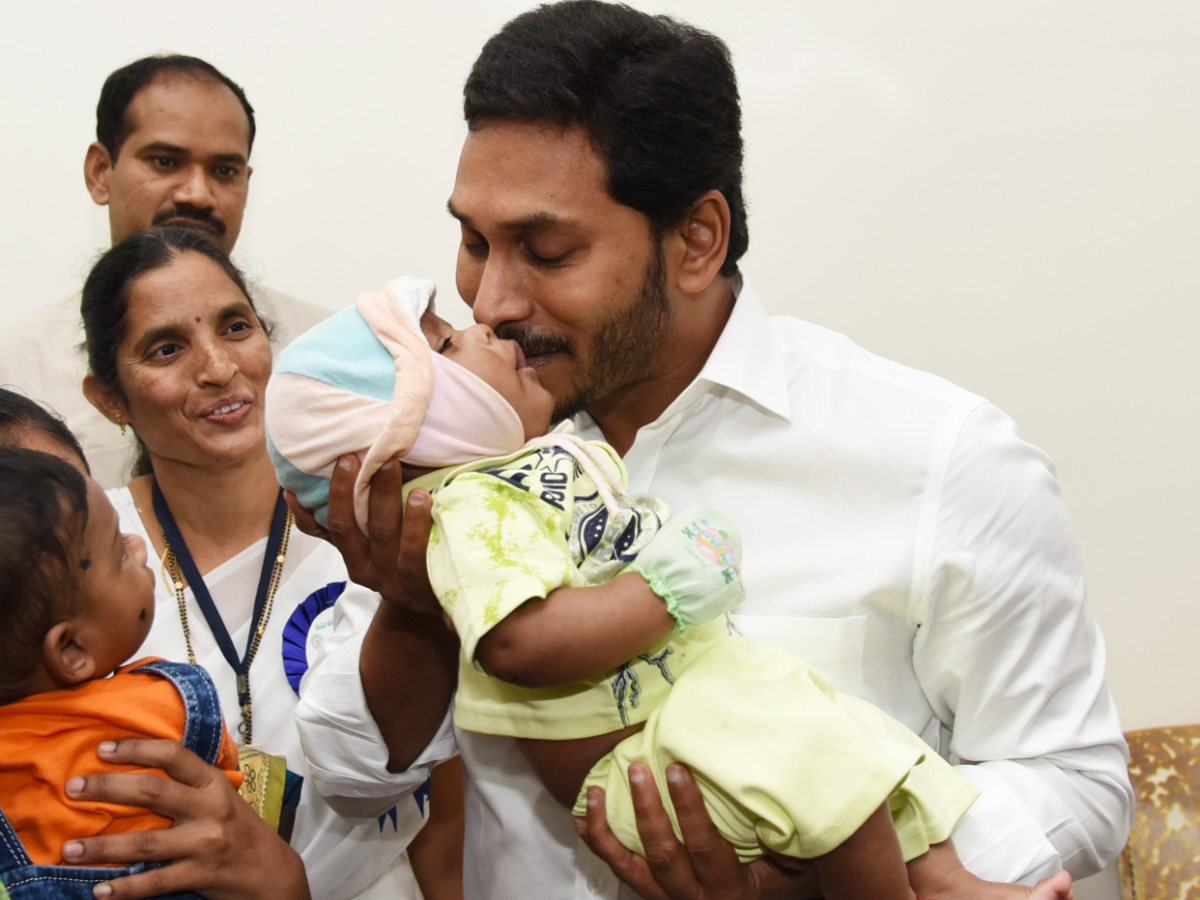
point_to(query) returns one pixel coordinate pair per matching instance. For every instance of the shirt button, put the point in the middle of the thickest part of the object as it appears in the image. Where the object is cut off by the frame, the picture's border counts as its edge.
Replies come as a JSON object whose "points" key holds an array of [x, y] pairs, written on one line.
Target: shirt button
{"points": [[595, 884]]}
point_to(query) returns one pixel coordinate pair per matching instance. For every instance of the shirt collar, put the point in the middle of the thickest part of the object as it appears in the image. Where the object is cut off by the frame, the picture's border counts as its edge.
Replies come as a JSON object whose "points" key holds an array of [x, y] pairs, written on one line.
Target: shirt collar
{"points": [[745, 359]]}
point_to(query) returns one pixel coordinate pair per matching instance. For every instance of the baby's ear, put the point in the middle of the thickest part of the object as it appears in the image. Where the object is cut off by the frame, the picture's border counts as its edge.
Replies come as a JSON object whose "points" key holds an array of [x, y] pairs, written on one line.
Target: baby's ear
{"points": [[68, 662]]}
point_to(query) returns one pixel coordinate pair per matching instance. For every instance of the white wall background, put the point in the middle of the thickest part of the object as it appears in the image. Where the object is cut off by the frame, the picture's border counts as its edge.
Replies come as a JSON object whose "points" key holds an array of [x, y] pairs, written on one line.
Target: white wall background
{"points": [[1004, 193]]}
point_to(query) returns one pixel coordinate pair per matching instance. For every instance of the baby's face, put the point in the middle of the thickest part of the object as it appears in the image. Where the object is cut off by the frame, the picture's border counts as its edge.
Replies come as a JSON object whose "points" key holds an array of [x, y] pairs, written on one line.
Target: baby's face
{"points": [[117, 587], [498, 362]]}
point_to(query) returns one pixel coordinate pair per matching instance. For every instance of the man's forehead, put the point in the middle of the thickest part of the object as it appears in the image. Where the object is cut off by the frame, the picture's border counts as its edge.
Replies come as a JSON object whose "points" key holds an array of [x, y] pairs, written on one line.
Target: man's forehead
{"points": [[527, 175], [181, 107]]}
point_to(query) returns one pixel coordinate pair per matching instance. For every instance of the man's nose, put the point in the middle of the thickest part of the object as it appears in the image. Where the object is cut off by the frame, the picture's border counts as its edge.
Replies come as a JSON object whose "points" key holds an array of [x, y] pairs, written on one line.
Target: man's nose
{"points": [[502, 295], [194, 188]]}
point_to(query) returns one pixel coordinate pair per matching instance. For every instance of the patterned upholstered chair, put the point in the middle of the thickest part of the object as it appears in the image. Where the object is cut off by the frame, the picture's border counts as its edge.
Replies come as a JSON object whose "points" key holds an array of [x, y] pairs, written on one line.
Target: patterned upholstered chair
{"points": [[1162, 859]]}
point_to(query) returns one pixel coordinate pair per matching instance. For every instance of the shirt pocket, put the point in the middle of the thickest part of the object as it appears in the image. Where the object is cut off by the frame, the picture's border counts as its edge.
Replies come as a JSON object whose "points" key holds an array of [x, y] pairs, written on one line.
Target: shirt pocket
{"points": [[832, 645]]}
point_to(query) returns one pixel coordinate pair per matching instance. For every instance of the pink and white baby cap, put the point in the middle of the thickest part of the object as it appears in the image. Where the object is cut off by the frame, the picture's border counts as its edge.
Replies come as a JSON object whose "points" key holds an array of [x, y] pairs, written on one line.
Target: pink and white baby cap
{"points": [[365, 381]]}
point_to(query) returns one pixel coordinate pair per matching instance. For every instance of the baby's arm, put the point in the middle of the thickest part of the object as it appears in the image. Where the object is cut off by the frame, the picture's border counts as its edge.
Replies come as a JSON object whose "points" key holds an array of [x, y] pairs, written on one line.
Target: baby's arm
{"points": [[575, 633], [502, 567], [867, 864], [687, 574]]}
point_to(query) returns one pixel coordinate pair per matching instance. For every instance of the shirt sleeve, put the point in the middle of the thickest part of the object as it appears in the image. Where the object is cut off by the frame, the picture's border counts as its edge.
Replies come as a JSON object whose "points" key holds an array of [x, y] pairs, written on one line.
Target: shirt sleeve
{"points": [[494, 547], [347, 756], [1007, 651]]}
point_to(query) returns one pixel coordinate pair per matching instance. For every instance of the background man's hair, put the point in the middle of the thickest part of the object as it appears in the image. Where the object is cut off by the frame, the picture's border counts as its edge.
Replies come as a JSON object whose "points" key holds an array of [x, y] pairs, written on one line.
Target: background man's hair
{"points": [[112, 126], [657, 97]]}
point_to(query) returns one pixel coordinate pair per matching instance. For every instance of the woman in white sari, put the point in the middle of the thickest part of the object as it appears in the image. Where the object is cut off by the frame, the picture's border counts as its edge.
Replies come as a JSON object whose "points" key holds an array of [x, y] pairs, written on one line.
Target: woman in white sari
{"points": [[176, 351]]}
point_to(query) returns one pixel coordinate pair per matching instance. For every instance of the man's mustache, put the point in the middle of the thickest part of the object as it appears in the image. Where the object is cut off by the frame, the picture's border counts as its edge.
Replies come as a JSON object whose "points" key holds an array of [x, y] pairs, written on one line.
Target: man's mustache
{"points": [[535, 341], [202, 217]]}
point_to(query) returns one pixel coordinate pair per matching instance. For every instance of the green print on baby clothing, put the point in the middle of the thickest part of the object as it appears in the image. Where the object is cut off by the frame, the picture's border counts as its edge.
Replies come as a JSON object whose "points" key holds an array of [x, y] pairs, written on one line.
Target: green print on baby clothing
{"points": [[551, 523]]}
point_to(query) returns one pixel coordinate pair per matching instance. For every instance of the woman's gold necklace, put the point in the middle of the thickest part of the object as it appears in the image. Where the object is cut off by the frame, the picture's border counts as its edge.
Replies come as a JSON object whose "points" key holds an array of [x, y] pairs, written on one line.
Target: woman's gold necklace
{"points": [[171, 564]]}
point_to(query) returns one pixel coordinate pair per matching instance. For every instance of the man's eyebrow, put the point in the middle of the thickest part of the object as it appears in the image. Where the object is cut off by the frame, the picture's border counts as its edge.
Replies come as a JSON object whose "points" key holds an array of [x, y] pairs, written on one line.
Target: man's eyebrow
{"points": [[162, 147], [531, 222], [175, 150]]}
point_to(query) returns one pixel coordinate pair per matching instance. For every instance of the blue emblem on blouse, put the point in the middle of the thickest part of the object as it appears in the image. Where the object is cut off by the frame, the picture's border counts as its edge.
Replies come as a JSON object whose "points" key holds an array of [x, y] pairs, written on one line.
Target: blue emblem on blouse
{"points": [[295, 632]]}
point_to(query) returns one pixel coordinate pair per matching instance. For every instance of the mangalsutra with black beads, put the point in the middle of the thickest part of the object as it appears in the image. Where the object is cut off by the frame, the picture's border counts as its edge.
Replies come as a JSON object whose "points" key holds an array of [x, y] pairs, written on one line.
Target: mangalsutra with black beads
{"points": [[179, 565]]}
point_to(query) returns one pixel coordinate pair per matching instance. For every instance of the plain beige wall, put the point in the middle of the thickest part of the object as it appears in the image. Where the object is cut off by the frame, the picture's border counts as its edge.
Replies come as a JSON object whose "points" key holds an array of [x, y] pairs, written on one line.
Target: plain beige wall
{"points": [[1006, 194]]}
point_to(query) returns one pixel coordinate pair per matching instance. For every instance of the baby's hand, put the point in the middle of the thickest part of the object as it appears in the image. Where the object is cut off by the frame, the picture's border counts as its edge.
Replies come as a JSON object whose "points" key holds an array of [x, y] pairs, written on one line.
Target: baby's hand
{"points": [[694, 565]]}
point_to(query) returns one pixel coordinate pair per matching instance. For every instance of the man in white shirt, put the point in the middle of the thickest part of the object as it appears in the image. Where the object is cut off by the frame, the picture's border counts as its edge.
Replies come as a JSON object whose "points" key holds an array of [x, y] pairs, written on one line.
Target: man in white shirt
{"points": [[173, 142], [898, 533]]}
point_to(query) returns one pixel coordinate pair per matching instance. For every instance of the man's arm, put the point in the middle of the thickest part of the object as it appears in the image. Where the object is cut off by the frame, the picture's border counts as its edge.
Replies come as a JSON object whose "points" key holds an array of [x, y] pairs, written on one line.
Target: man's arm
{"points": [[386, 671], [1007, 651], [1009, 657]]}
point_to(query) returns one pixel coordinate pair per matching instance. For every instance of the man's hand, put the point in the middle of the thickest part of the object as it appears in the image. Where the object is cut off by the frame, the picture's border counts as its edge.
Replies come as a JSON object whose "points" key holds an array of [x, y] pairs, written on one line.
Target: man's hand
{"points": [[409, 657], [390, 558], [704, 866], [218, 846]]}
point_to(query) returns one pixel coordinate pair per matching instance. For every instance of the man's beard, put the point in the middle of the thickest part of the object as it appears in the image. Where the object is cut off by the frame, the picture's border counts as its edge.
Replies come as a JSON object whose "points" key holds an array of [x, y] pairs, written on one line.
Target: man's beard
{"points": [[621, 347]]}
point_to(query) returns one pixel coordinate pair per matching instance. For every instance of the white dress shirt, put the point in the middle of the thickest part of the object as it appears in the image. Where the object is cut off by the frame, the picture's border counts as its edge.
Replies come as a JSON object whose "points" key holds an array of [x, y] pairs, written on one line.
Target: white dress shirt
{"points": [[43, 356], [900, 536]]}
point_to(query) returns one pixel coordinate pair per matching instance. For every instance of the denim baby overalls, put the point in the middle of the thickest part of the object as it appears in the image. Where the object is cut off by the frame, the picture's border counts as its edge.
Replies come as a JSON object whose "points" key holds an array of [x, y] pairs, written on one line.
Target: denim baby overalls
{"points": [[20, 879]]}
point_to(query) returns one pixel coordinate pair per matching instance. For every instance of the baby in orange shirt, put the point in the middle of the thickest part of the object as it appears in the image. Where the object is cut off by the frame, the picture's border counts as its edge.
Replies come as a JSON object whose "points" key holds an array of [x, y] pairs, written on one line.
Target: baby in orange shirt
{"points": [[77, 600]]}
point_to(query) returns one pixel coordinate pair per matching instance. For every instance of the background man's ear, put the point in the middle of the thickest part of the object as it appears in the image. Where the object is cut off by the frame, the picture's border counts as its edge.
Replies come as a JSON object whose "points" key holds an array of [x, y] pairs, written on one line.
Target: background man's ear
{"points": [[703, 243], [97, 172], [67, 661]]}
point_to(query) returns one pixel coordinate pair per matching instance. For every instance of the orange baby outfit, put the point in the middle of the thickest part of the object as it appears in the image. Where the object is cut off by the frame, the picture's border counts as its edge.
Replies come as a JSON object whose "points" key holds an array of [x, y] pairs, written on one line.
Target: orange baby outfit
{"points": [[47, 738]]}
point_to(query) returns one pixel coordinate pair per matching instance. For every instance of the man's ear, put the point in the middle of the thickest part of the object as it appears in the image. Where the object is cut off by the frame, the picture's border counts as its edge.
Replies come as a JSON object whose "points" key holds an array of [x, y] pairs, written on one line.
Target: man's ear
{"points": [[97, 172], [67, 661], [701, 243], [104, 400]]}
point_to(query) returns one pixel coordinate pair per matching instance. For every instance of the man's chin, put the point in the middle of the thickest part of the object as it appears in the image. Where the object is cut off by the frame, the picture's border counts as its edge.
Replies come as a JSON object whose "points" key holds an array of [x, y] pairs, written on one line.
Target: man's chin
{"points": [[574, 404]]}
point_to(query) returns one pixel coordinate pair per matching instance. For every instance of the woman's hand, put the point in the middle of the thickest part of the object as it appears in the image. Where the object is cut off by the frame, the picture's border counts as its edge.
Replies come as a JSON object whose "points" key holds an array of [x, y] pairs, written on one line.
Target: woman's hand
{"points": [[390, 559], [218, 845], [704, 866]]}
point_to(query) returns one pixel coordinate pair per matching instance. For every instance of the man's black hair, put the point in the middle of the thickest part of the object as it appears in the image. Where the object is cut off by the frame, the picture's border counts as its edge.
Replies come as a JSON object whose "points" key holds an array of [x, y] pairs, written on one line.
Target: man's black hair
{"points": [[112, 124], [657, 97]]}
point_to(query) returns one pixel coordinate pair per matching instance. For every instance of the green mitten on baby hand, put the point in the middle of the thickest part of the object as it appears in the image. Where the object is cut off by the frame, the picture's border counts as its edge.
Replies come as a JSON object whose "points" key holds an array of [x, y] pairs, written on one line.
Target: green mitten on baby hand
{"points": [[694, 565]]}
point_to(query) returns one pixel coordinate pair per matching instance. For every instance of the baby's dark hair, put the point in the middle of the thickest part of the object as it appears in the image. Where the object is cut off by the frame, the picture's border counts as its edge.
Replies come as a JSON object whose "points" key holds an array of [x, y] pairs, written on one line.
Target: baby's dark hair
{"points": [[20, 416], [43, 514]]}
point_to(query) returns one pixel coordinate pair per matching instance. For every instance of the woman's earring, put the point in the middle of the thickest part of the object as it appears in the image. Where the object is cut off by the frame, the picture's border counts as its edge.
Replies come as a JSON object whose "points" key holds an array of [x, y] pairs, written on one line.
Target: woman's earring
{"points": [[121, 424]]}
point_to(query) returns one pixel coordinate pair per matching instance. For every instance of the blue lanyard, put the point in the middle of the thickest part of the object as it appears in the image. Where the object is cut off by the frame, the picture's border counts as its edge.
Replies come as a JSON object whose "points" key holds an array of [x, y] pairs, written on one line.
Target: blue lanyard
{"points": [[177, 545]]}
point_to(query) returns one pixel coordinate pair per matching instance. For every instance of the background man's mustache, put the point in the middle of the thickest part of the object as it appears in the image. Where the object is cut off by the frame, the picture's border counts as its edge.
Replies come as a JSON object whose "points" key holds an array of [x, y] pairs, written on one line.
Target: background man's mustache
{"points": [[183, 211]]}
